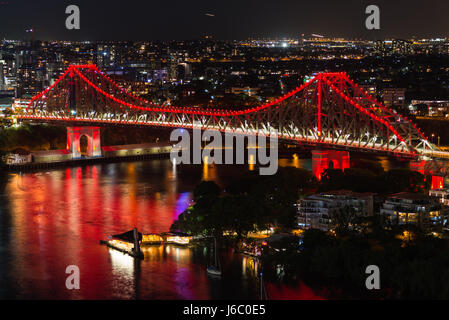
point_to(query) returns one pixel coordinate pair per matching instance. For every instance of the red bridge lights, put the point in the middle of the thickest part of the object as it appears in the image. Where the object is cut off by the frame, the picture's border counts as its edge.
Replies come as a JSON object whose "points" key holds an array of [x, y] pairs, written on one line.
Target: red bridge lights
{"points": [[317, 104]]}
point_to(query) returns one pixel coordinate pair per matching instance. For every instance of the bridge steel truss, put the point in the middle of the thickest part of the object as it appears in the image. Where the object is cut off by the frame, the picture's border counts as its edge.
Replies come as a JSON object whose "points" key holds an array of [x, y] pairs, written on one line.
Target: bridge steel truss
{"points": [[330, 109]]}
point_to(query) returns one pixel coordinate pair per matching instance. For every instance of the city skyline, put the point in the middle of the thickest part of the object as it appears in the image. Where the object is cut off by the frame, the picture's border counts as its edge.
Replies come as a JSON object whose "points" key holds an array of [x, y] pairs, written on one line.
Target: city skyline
{"points": [[234, 20], [250, 151]]}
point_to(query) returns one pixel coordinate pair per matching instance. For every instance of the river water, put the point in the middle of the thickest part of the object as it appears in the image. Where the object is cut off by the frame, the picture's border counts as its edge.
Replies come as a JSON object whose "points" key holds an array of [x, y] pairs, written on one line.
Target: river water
{"points": [[51, 220]]}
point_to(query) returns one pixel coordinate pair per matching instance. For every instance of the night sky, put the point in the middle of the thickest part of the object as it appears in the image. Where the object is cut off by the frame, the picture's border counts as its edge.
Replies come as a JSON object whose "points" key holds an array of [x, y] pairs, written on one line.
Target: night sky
{"points": [[234, 19]]}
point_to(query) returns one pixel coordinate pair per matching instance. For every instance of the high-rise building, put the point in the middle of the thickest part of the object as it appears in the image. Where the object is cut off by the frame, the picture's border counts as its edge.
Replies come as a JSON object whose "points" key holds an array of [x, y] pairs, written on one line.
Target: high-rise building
{"points": [[184, 71], [2, 76], [371, 89], [106, 56], [394, 97], [397, 46], [319, 211], [172, 69], [413, 208]]}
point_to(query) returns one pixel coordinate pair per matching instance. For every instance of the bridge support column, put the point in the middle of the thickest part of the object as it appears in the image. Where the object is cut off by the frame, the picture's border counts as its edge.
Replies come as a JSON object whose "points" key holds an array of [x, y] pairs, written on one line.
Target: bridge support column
{"points": [[74, 135], [420, 166], [437, 183], [325, 159]]}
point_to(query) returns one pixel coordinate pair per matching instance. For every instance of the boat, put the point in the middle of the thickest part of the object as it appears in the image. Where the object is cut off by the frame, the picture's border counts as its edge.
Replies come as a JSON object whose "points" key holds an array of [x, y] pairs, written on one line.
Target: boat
{"points": [[152, 239], [215, 269], [128, 243], [178, 239]]}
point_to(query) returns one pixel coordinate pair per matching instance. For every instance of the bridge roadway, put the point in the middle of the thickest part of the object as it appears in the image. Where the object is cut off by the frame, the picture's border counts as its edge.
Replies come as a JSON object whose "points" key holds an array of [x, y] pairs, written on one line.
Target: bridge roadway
{"points": [[435, 154], [332, 142]]}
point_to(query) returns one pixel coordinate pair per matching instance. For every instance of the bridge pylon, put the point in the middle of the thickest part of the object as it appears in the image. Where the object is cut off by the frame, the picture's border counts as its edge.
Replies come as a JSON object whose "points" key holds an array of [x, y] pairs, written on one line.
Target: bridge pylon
{"points": [[329, 159], [429, 167], [74, 135]]}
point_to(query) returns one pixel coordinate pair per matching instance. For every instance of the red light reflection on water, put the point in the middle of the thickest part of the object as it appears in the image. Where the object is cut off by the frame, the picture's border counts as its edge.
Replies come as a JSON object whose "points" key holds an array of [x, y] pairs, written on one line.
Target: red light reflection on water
{"points": [[59, 217], [302, 292]]}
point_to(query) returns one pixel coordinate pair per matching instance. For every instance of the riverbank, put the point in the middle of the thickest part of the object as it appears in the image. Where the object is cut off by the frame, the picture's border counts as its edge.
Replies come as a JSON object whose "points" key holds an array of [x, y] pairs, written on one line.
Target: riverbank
{"points": [[83, 162], [62, 158]]}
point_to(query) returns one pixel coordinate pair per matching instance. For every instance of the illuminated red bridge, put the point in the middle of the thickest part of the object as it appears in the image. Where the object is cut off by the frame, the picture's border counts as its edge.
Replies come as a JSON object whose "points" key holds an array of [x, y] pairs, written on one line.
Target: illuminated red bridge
{"points": [[330, 111]]}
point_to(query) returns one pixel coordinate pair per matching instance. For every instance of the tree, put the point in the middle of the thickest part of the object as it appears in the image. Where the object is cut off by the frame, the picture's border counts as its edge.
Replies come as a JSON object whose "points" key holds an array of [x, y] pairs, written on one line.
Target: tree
{"points": [[6, 120], [354, 179], [206, 190], [314, 238], [404, 180], [373, 166], [343, 218], [272, 198], [252, 203]]}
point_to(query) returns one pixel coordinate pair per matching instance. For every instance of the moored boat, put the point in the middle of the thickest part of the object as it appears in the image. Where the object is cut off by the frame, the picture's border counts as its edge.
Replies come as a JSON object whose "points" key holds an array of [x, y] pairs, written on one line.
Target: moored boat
{"points": [[180, 239], [215, 269], [128, 243], [152, 239]]}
